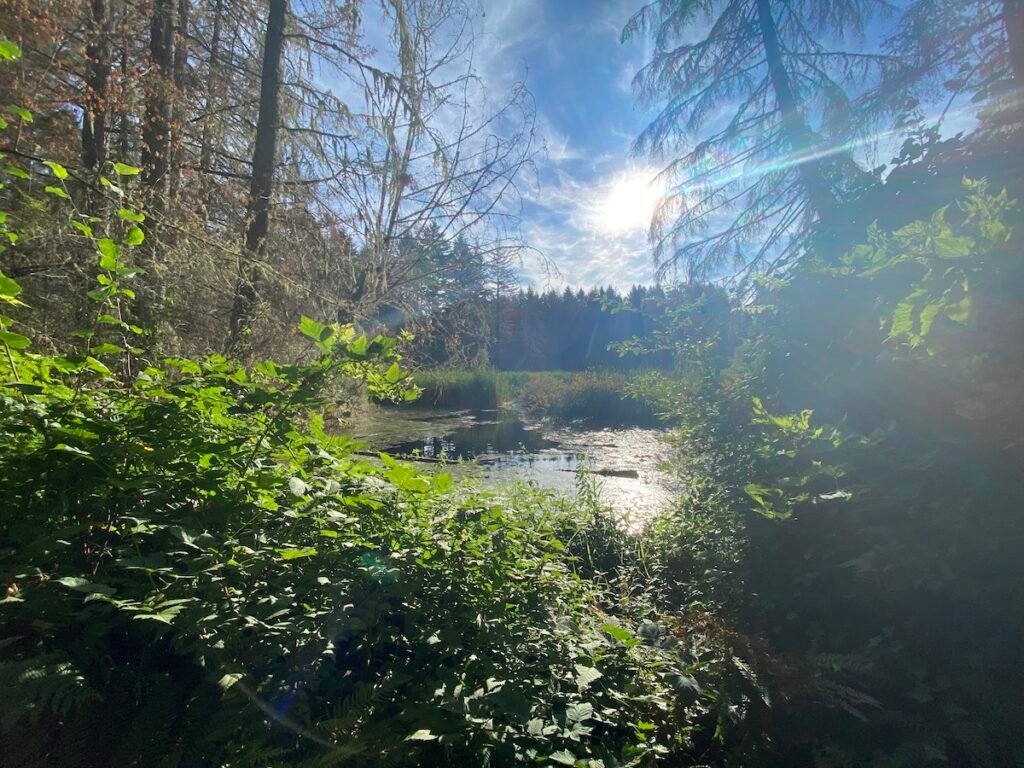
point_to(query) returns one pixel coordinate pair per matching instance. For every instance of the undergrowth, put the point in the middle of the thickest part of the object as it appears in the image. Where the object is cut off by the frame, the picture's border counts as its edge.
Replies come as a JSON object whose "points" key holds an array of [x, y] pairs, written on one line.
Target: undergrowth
{"points": [[196, 574]]}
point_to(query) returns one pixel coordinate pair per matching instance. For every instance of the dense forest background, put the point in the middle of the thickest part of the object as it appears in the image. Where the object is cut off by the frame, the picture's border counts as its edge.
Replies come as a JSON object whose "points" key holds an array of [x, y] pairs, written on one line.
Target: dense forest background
{"points": [[281, 173], [212, 208]]}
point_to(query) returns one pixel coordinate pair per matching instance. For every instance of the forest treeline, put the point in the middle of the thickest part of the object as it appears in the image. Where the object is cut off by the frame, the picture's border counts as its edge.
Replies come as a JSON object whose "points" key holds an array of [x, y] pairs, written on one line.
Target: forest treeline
{"points": [[556, 330], [197, 571]]}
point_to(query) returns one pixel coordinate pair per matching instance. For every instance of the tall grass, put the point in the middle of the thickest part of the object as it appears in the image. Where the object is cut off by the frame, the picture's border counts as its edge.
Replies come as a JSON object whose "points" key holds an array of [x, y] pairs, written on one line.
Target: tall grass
{"points": [[596, 397], [479, 388]]}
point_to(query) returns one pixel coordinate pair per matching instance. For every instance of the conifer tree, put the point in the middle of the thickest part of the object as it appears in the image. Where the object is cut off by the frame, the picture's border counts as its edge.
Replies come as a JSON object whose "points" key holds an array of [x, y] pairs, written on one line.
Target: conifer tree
{"points": [[754, 116]]}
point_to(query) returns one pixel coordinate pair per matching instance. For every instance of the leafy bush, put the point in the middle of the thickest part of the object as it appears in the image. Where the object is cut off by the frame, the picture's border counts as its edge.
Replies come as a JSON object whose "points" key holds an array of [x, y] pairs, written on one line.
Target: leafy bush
{"points": [[196, 574], [195, 578], [852, 464]]}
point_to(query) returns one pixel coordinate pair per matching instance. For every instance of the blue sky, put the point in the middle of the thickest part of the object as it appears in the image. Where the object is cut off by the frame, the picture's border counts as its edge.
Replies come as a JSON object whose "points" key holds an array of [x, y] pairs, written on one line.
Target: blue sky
{"points": [[587, 206], [587, 203]]}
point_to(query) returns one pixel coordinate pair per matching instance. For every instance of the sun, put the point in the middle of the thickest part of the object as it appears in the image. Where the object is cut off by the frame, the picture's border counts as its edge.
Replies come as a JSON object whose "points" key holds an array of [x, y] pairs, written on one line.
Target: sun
{"points": [[627, 203]]}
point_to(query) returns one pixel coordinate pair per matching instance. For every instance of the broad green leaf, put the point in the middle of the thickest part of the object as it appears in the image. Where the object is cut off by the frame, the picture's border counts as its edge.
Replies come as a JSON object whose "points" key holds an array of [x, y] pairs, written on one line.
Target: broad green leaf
{"points": [[84, 585], [17, 172], [358, 347], [563, 757], [130, 215], [25, 116], [952, 247], [443, 482], [9, 50], [95, 365], [85, 229], [134, 236], [620, 634], [585, 676], [58, 170], [57, 192], [314, 330], [928, 315], [961, 311], [579, 711], [163, 617], [295, 553], [105, 182], [14, 340], [421, 735], [229, 679], [9, 289], [126, 170], [109, 252]]}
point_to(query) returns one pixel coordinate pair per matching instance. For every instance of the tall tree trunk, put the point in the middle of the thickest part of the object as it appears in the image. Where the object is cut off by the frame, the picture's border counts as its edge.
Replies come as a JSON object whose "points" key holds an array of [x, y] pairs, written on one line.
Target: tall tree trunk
{"points": [[97, 86], [212, 87], [179, 109], [156, 129], [264, 157], [156, 155], [123, 120], [794, 126], [1013, 20]]}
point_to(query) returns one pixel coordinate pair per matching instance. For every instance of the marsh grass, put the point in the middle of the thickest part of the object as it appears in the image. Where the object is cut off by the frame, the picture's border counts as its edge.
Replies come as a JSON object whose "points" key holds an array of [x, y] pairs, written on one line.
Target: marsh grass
{"points": [[598, 398]]}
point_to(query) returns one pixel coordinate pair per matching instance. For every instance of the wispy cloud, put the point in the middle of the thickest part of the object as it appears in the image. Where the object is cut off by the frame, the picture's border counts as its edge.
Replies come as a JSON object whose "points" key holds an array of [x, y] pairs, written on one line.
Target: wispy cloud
{"points": [[587, 208], [557, 146], [593, 228]]}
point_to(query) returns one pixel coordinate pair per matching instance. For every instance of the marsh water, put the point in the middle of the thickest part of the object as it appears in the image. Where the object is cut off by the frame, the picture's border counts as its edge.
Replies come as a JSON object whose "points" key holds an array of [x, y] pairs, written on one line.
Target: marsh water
{"points": [[502, 446]]}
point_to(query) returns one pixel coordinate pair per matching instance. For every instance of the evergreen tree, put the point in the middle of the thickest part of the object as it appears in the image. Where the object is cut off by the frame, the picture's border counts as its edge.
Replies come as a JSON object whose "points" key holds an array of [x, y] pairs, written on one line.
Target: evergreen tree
{"points": [[756, 115]]}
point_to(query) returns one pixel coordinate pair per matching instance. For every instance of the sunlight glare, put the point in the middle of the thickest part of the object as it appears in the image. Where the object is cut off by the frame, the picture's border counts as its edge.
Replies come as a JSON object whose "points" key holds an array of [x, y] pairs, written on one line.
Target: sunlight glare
{"points": [[627, 203]]}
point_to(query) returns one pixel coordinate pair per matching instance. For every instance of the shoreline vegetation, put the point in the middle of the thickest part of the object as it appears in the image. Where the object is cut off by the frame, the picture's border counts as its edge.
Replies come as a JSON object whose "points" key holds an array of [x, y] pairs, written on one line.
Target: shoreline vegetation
{"points": [[599, 398]]}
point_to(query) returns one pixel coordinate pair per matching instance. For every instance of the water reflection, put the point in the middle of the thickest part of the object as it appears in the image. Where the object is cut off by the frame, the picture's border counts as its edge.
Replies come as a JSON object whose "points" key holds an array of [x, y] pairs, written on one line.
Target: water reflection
{"points": [[505, 448], [484, 434]]}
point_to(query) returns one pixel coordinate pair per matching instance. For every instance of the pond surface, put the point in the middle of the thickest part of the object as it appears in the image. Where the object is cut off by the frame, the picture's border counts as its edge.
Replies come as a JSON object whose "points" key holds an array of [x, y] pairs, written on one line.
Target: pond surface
{"points": [[506, 448]]}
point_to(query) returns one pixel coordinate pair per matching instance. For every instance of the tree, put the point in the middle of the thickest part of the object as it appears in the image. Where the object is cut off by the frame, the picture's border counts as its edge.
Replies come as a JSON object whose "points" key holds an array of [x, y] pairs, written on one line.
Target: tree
{"points": [[97, 84], [432, 159], [756, 117], [954, 49], [156, 129], [264, 158]]}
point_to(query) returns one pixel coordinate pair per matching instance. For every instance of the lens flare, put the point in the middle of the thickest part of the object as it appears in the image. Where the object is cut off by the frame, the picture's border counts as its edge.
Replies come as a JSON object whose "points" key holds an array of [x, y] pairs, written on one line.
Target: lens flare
{"points": [[627, 203]]}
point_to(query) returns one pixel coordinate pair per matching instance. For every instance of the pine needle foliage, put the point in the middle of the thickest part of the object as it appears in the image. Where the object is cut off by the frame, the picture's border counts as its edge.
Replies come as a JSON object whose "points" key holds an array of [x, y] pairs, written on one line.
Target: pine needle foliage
{"points": [[756, 113]]}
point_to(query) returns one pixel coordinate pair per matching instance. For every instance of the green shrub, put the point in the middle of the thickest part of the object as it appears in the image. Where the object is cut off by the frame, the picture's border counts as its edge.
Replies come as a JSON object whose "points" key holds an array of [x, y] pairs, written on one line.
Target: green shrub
{"points": [[852, 476], [193, 574], [197, 575]]}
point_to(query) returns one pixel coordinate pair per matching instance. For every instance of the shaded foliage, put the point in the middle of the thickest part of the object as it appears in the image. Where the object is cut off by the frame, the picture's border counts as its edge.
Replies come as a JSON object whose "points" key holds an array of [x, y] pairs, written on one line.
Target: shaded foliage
{"points": [[854, 464]]}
